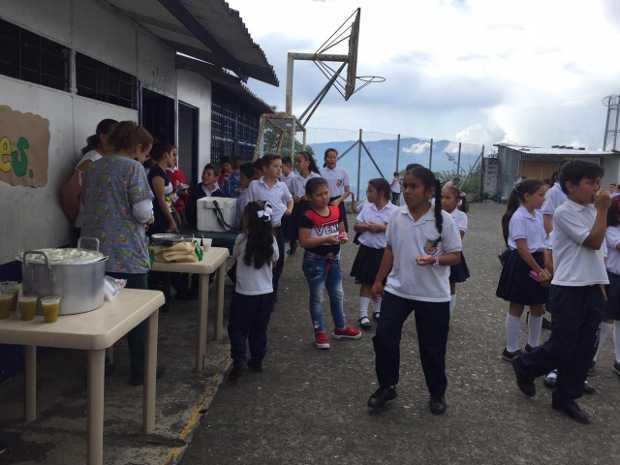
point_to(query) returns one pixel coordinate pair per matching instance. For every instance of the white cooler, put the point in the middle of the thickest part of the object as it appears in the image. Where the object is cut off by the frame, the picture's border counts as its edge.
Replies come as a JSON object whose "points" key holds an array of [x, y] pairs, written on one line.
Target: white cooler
{"points": [[216, 214]]}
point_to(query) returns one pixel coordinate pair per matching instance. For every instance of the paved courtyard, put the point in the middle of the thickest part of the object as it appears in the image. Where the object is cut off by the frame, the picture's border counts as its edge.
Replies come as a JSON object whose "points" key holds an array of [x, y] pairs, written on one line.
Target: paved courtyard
{"points": [[309, 406]]}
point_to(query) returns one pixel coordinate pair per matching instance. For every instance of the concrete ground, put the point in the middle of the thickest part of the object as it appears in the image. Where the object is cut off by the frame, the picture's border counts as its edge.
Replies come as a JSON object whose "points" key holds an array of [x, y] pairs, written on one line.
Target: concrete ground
{"points": [[309, 406]]}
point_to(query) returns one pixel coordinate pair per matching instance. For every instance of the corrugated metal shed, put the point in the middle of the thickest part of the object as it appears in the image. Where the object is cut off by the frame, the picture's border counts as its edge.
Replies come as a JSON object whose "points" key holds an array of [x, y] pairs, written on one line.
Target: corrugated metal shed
{"points": [[206, 29]]}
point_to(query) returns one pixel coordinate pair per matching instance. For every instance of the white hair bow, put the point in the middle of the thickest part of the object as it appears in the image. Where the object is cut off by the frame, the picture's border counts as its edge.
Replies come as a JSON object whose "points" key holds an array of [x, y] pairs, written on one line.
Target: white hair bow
{"points": [[265, 213]]}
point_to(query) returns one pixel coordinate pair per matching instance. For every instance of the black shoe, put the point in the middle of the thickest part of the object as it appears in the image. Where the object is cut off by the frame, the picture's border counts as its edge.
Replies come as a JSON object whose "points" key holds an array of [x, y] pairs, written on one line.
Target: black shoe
{"points": [[588, 388], [438, 405], [572, 409], [510, 356], [365, 324], [528, 348], [256, 366], [526, 384], [381, 396], [137, 377], [546, 324], [235, 373]]}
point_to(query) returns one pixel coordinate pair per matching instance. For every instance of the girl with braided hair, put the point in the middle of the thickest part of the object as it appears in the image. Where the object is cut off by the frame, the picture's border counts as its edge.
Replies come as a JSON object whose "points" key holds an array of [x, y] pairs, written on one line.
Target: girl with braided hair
{"points": [[423, 242]]}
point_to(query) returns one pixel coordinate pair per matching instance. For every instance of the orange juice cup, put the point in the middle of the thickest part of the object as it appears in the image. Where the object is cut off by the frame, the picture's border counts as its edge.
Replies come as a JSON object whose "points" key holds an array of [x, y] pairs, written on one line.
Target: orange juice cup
{"points": [[11, 288], [27, 306], [6, 302], [51, 308]]}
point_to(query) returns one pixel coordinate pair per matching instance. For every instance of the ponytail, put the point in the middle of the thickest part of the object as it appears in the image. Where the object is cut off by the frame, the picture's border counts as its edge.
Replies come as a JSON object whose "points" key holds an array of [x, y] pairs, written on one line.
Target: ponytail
{"points": [[438, 209], [529, 186], [105, 127]]}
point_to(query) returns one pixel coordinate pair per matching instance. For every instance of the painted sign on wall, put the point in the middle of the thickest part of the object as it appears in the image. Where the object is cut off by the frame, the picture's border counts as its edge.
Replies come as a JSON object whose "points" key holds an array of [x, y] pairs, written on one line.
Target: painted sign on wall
{"points": [[24, 148]]}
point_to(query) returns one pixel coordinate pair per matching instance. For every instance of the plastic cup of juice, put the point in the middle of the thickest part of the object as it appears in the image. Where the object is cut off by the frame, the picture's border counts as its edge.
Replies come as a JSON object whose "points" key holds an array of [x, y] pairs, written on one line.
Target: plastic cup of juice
{"points": [[27, 306], [11, 288], [51, 308], [6, 302]]}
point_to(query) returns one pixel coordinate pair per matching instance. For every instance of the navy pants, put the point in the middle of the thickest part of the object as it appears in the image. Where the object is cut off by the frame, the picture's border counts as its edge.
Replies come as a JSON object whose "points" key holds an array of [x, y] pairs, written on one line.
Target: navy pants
{"points": [[279, 266], [137, 336], [432, 321], [577, 313], [247, 325]]}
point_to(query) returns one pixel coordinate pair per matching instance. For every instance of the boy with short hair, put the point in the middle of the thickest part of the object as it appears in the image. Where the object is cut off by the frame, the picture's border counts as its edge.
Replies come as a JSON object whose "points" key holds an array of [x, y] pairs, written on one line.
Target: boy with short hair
{"points": [[576, 296], [207, 188]]}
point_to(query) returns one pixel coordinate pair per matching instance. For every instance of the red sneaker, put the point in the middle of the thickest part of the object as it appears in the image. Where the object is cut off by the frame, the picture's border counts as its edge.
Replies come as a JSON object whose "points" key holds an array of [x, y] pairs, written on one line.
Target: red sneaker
{"points": [[321, 341], [347, 333]]}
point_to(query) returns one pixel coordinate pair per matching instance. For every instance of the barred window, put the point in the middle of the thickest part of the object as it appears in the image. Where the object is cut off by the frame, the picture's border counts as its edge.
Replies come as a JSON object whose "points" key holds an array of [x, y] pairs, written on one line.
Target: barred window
{"points": [[99, 81]]}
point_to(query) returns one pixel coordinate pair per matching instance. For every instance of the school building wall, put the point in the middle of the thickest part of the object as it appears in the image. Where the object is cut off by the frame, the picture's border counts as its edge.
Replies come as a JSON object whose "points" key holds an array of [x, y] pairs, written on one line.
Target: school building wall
{"points": [[32, 217]]}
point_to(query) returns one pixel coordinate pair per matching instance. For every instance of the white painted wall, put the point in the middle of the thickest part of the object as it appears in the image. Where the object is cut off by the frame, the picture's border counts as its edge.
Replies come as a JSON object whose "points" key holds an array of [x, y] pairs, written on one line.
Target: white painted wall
{"points": [[196, 90], [32, 218], [612, 171]]}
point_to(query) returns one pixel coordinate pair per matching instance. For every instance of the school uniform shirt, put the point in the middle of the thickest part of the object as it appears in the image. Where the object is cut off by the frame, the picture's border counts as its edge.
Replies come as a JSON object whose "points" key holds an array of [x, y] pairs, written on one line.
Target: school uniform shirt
{"points": [[277, 195], [242, 202], [91, 155], [408, 240], [288, 180], [249, 280], [322, 226], [395, 186], [298, 183], [612, 237], [337, 179], [528, 226], [197, 192], [371, 214], [554, 197], [576, 265], [460, 219]]}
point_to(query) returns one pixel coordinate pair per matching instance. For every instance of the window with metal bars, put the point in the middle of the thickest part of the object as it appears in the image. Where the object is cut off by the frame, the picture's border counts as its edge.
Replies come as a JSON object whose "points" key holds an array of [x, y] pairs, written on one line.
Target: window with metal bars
{"points": [[234, 126], [99, 81], [30, 57]]}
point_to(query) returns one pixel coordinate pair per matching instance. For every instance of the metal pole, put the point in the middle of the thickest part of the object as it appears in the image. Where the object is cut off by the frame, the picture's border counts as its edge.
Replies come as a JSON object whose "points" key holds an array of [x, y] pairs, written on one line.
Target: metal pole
{"points": [[482, 174], [607, 123], [617, 115], [359, 165], [430, 155], [397, 151], [290, 65], [458, 163]]}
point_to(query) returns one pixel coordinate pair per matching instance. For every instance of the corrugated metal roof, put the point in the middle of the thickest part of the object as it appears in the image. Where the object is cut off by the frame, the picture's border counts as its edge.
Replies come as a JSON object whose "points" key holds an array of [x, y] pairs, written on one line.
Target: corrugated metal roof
{"points": [[207, 29], [556, 151]]}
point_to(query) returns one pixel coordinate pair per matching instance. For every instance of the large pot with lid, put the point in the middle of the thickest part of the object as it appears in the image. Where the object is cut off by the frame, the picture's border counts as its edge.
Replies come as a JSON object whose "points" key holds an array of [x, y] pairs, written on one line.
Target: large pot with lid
{"points": [[75, 275]]}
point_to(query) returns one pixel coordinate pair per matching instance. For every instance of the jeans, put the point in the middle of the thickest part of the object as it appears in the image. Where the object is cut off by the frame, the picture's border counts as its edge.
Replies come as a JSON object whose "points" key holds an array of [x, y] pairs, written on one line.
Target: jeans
{"points": [[576, 315], [322, 272], [432, 320], [247, 325], [137, 336]]}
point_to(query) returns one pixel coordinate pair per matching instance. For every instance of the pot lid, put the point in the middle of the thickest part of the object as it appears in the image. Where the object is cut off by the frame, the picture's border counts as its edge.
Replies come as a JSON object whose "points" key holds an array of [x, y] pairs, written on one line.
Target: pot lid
{"points": [[66, 256]]}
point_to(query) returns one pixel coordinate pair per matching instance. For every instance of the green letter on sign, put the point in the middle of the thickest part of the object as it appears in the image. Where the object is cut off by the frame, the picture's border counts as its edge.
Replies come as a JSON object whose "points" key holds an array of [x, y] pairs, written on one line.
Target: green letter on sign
{"points": [[19, 159]]}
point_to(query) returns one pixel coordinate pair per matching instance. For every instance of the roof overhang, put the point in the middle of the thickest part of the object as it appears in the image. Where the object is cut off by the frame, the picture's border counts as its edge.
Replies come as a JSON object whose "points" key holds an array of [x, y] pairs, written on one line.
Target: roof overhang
{"points": [[206, 29], [230, 82]]}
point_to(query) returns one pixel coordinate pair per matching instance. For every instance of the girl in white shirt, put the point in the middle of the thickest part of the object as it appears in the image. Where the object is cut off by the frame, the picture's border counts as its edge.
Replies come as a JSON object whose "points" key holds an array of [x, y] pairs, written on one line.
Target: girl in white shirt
{"points": [[338, 183], [524, 279], [255, 253], [422, 244], [306, 170], [455, 203], [610, 327], [371, 224]]}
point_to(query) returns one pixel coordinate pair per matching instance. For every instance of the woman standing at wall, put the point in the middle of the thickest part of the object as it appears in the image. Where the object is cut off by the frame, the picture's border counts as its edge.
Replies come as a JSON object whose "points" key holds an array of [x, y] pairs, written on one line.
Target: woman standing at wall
{"points": [[116, 207]]}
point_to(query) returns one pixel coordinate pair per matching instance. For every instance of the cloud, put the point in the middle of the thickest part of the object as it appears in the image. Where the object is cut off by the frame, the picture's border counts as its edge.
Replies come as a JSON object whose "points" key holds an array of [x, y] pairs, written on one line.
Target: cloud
{"points": [[478, 133], [417, 148]]}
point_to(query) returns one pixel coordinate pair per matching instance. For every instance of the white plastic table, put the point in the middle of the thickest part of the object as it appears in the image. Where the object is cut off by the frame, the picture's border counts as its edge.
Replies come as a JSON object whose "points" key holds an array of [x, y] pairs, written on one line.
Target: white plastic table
{"points": [[214, 260], [93, 332]]}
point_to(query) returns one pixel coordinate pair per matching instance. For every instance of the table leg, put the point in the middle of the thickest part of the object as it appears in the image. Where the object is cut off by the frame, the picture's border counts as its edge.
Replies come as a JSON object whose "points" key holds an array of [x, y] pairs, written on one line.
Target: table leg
{"points": [[96, 376], [30, 379], [150, 373], [201, 347], [221, 279]]}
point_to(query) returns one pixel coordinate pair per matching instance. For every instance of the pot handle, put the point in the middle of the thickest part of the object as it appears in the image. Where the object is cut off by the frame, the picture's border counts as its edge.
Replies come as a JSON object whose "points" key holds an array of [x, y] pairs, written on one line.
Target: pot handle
{"points": [[25, 264], [85, 238]]}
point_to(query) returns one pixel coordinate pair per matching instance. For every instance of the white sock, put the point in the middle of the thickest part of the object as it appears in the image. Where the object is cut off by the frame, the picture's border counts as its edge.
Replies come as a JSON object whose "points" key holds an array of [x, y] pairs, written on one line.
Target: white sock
{"points": [[364, 303], [452, 303], [513, 325], [377, 304], [617, 340], [534, 328], [605, 331]]}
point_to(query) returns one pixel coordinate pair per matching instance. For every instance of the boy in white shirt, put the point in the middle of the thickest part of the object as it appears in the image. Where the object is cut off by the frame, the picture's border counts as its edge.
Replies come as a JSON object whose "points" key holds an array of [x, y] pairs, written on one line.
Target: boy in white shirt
{"points": [[576, 297]]}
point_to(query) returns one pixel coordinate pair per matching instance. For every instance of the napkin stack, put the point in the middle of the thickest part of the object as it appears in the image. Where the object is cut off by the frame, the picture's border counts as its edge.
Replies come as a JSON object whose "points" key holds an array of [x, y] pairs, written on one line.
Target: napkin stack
{"points": [[181, 252]]}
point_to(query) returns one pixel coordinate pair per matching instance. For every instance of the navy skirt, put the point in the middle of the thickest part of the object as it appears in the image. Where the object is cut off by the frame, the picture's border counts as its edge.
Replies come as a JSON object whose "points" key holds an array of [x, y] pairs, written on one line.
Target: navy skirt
{"points": [[459, 273], [516, 285], [366, 264], [612, 306]]}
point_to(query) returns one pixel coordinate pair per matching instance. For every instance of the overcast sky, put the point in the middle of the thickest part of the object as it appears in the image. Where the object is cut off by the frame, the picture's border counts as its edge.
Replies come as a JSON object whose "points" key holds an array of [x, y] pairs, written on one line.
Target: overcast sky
{"points": [[481, 71]]}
